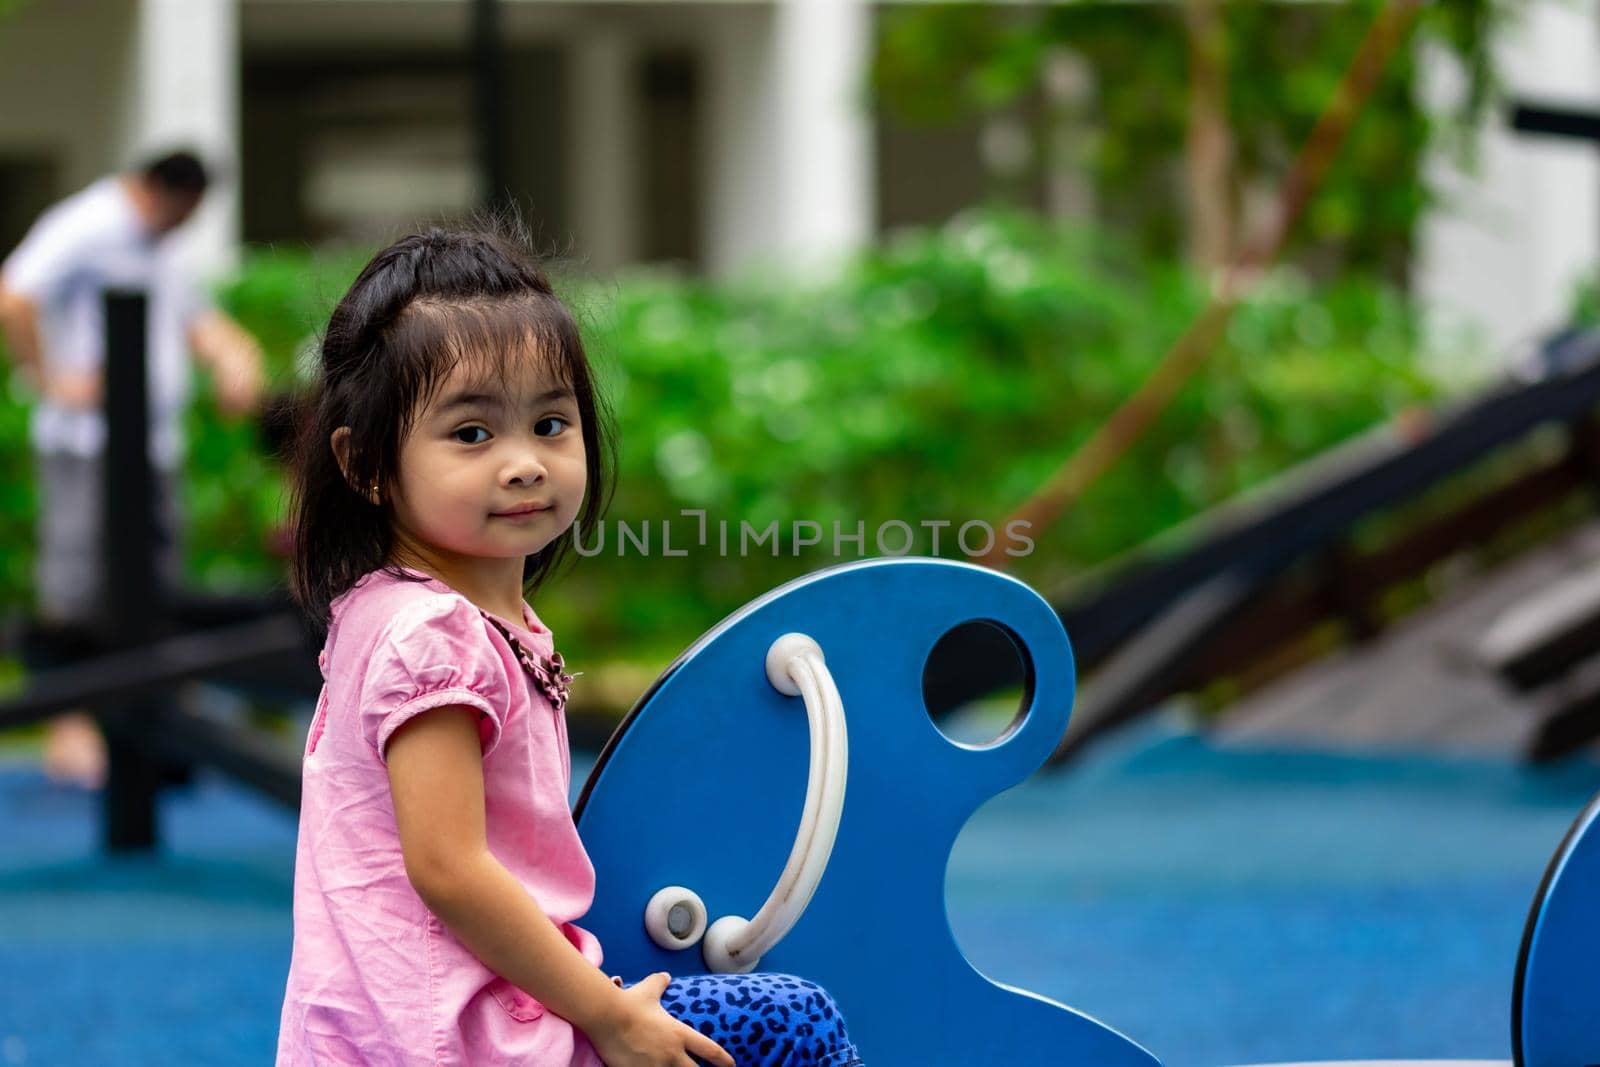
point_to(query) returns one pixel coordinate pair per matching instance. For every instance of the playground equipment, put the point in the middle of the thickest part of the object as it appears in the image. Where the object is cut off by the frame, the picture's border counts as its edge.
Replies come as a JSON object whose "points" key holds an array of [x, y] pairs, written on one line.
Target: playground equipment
{"points": [[689, 814], [1555, 999], [805, 709]]}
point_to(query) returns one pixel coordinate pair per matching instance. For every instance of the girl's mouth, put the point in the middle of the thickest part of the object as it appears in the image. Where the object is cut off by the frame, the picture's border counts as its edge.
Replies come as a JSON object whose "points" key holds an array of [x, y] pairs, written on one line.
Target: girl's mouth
{"points": [[522, 512]]}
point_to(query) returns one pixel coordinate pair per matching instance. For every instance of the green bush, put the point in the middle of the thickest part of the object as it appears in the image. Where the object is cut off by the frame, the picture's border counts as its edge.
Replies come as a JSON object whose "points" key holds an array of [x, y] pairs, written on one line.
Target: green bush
{"points": [[947, 376], [1586, 301], [944, 376], [236, 495], [16, 494]]}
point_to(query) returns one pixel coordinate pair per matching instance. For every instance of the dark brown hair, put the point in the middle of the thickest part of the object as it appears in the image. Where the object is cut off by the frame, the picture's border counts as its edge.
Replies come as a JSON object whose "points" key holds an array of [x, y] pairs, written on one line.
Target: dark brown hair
{"points": [[418, 308], [177, 173]]}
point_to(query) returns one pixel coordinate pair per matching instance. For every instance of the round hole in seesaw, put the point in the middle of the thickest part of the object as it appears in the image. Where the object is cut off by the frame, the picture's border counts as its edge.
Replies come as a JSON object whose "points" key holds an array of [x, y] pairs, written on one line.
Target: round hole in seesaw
{"points": [[977, 683]]}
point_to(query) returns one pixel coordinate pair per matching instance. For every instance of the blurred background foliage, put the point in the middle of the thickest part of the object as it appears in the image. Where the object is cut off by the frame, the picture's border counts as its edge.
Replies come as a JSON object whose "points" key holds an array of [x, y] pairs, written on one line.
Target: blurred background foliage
{"points": [[943, 376], [1586, 302], [947, 373], [1111, 90]]}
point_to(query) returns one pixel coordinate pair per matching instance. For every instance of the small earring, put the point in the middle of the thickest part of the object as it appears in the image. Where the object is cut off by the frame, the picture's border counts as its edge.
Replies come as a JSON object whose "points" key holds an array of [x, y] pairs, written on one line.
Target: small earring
{"points": [[373, 492]]}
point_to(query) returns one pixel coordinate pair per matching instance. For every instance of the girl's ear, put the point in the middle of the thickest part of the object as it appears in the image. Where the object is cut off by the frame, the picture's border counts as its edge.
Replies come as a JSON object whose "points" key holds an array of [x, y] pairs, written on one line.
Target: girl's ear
{"points": [[340, 443]]}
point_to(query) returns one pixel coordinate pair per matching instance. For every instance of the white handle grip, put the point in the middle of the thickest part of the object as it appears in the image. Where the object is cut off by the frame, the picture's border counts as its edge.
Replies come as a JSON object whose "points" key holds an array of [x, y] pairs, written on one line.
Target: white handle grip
{"points": [[734, 945], [675, 917]]}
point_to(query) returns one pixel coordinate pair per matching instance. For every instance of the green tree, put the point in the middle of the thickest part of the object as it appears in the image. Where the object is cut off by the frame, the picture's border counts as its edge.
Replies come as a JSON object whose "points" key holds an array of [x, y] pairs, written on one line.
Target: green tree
{"points": [[1265, 70]]}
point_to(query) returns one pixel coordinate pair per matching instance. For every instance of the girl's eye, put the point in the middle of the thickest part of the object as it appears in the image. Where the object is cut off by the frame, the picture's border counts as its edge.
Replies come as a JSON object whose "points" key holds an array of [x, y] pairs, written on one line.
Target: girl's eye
{"points": [[467, 435], [557, 419]]}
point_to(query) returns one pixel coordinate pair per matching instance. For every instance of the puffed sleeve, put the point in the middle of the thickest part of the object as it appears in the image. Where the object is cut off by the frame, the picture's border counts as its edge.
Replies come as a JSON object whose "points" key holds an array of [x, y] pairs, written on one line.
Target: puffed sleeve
{"points": [[434, 653]]}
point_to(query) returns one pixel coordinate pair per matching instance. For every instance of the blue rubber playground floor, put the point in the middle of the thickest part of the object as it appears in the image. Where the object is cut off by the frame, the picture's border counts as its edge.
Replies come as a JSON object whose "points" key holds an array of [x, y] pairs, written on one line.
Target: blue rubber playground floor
{"points": [[1219, 905]]}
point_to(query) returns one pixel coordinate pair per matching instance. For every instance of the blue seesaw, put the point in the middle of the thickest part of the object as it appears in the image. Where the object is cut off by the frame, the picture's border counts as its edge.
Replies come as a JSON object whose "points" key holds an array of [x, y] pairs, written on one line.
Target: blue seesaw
{"points": [[1555, 999], [780, 800]]}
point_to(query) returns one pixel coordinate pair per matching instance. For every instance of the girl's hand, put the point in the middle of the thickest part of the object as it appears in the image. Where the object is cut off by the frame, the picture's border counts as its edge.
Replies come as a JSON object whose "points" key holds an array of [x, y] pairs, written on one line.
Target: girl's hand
{"points": [[640, 1032]]}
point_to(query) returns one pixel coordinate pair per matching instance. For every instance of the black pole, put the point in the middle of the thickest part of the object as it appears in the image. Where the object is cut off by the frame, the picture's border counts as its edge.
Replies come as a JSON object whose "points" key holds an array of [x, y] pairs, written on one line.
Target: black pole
{"points": [[129, 539], [489, 93]]}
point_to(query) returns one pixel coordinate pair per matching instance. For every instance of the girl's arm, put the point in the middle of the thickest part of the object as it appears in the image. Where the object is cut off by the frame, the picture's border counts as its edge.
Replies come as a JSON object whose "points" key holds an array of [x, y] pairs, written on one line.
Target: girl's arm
{"points": [[436, 777]]}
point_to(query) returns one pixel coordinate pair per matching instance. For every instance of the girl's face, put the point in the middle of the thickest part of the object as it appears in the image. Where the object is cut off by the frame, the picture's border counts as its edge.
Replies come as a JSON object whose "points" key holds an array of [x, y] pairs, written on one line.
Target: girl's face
{"points": [[493, 468]]}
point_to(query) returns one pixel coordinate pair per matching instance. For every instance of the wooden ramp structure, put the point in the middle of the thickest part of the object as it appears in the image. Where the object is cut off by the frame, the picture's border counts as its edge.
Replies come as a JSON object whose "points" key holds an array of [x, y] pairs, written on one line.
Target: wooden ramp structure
{"points": [[1429, 683]]}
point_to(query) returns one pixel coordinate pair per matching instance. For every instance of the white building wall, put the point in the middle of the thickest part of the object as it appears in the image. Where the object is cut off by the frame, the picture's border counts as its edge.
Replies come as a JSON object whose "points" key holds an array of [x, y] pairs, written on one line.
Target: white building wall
{"points": [[61, 70], [183, 91], [95, 85], [602, 164], [789, 174], [1499, 259], [790, 140], [742, 171], [823, 48]]}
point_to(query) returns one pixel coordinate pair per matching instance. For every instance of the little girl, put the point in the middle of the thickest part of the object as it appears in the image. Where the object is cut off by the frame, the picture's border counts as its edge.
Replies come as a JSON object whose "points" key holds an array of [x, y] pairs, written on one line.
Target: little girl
{"points": [[453, 439]]}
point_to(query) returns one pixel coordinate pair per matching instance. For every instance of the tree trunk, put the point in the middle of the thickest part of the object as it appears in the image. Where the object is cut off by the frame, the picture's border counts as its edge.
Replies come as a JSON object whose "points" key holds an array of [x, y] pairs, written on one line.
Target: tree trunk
{"points": [[1209, 147]]}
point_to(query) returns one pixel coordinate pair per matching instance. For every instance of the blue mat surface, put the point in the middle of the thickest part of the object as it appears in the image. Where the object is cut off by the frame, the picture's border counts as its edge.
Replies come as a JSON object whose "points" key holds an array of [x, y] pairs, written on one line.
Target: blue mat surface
{"points": [[1219, 906]]}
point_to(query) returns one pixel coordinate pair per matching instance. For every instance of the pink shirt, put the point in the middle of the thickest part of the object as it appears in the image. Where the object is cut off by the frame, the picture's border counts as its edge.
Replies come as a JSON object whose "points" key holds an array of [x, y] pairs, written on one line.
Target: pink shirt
{"points": [[376, 978]]}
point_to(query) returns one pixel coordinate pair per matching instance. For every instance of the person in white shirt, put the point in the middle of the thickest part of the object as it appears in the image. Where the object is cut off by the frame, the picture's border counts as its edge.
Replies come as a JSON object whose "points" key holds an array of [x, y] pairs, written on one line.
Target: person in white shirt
{"points": [[113, 234]]}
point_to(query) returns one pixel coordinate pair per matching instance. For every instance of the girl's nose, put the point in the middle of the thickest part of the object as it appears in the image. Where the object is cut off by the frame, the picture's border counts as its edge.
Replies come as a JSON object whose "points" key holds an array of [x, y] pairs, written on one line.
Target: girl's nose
{"points": [[526, 469]]}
